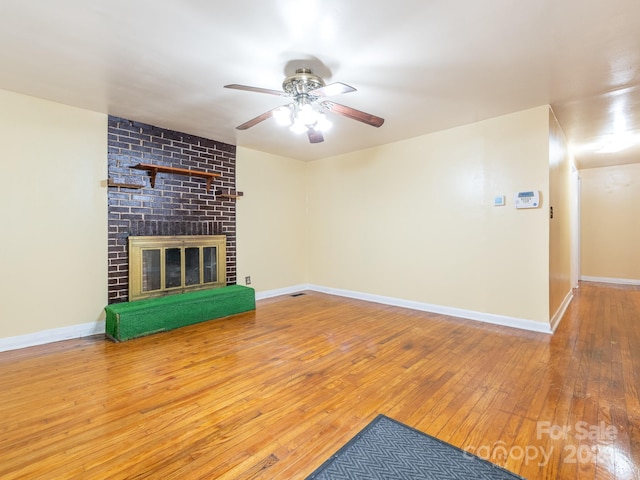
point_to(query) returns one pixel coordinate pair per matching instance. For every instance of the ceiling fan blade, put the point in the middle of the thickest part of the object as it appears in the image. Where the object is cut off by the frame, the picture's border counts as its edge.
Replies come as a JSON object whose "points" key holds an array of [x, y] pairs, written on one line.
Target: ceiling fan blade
{"points": [[315, 136], [235, 86], [255, 121], [333, 89], [354, 114]]}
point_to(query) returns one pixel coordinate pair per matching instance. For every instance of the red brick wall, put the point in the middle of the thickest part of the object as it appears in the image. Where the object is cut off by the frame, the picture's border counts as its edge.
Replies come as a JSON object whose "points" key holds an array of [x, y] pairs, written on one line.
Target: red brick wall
{"points": [[178, 205]]}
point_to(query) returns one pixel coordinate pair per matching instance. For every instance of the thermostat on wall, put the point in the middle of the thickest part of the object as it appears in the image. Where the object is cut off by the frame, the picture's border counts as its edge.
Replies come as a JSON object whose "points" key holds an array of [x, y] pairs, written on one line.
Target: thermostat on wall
{"points": [[528, 199]]}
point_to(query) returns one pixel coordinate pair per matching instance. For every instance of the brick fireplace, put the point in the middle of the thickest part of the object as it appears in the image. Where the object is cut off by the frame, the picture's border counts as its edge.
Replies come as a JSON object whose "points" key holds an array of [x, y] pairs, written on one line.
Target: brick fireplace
{"points": [[177, 204]]}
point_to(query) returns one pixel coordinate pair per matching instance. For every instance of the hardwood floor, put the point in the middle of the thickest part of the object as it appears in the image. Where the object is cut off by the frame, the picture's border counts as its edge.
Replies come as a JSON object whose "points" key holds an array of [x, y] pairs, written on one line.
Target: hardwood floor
{"points": [[273, 393]]}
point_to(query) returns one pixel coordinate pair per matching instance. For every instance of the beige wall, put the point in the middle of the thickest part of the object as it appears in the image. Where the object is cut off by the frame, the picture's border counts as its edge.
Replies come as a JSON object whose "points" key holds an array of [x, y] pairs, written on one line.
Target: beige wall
{"points": [[414, 220], [271, 220], [53, 205], [610, 223], [560, 193]]}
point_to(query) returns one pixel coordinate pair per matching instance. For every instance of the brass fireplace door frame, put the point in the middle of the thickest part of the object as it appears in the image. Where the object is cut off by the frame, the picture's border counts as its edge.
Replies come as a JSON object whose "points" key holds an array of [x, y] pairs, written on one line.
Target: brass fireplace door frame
{"points": [[138, 245]]}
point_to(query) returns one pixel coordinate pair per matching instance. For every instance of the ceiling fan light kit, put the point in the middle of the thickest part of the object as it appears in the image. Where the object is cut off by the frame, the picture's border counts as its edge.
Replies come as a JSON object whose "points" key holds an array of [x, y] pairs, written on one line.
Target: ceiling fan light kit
{"points": [[300, 118], [306, 112]]}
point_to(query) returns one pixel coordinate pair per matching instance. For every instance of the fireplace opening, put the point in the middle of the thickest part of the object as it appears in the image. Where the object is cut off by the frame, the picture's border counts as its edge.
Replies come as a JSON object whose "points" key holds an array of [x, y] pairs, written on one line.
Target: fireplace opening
{"points": [[164, 265]]}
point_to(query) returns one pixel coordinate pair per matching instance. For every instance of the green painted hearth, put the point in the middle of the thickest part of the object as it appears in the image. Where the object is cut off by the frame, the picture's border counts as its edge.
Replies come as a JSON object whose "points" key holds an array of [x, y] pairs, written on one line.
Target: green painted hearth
{"points": [[129, 320]]}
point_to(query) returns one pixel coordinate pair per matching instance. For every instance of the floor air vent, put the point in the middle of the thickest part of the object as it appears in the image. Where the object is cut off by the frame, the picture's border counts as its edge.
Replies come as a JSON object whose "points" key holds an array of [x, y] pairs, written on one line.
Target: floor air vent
{"points": [[298, 294]]}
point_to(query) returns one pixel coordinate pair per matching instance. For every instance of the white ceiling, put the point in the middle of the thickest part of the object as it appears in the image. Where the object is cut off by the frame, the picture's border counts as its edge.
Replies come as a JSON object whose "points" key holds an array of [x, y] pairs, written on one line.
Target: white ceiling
{"points": [[422, 65]]}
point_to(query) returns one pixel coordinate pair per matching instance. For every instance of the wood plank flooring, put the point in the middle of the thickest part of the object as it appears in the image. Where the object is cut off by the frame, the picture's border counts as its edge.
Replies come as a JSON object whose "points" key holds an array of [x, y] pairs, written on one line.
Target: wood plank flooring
{"points": [[271, 394]]}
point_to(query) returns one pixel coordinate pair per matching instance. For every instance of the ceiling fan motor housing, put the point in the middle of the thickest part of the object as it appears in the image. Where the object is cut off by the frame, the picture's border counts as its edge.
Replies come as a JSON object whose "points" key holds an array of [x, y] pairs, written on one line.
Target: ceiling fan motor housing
{"points": [[302, 82]]}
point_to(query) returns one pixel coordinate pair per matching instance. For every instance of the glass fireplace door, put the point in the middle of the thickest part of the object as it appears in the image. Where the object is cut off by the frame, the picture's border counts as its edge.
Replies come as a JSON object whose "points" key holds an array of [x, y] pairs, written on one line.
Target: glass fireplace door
{"points": [[151, 270], [210, 263], [172, 267], [192, 266]]}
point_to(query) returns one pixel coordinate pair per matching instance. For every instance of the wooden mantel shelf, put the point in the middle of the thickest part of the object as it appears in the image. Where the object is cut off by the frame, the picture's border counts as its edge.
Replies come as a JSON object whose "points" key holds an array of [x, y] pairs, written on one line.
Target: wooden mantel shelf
{"points": [[229, 194], [155, 169], [113, 183]]}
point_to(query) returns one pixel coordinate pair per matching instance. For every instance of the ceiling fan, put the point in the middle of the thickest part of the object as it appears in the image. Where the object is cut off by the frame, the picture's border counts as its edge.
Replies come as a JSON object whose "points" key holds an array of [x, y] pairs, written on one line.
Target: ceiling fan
{"points": [[306, 112]]}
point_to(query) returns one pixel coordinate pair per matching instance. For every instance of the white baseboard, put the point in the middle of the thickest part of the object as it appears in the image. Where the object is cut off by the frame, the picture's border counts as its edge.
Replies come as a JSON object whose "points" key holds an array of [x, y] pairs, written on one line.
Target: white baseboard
{"points": [[503, 320], [282, 291], [96, 328], [555, 320], [52, 335], [621, 281]]}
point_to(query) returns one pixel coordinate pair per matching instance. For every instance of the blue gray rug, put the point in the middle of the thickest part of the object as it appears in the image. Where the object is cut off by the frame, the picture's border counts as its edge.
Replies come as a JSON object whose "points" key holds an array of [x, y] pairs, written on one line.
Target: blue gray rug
{"points": [[388, 450]]}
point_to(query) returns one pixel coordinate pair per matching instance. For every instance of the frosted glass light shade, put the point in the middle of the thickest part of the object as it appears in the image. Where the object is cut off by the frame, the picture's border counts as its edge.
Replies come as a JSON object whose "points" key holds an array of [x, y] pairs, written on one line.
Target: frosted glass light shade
{"points": [[282, 115]]}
